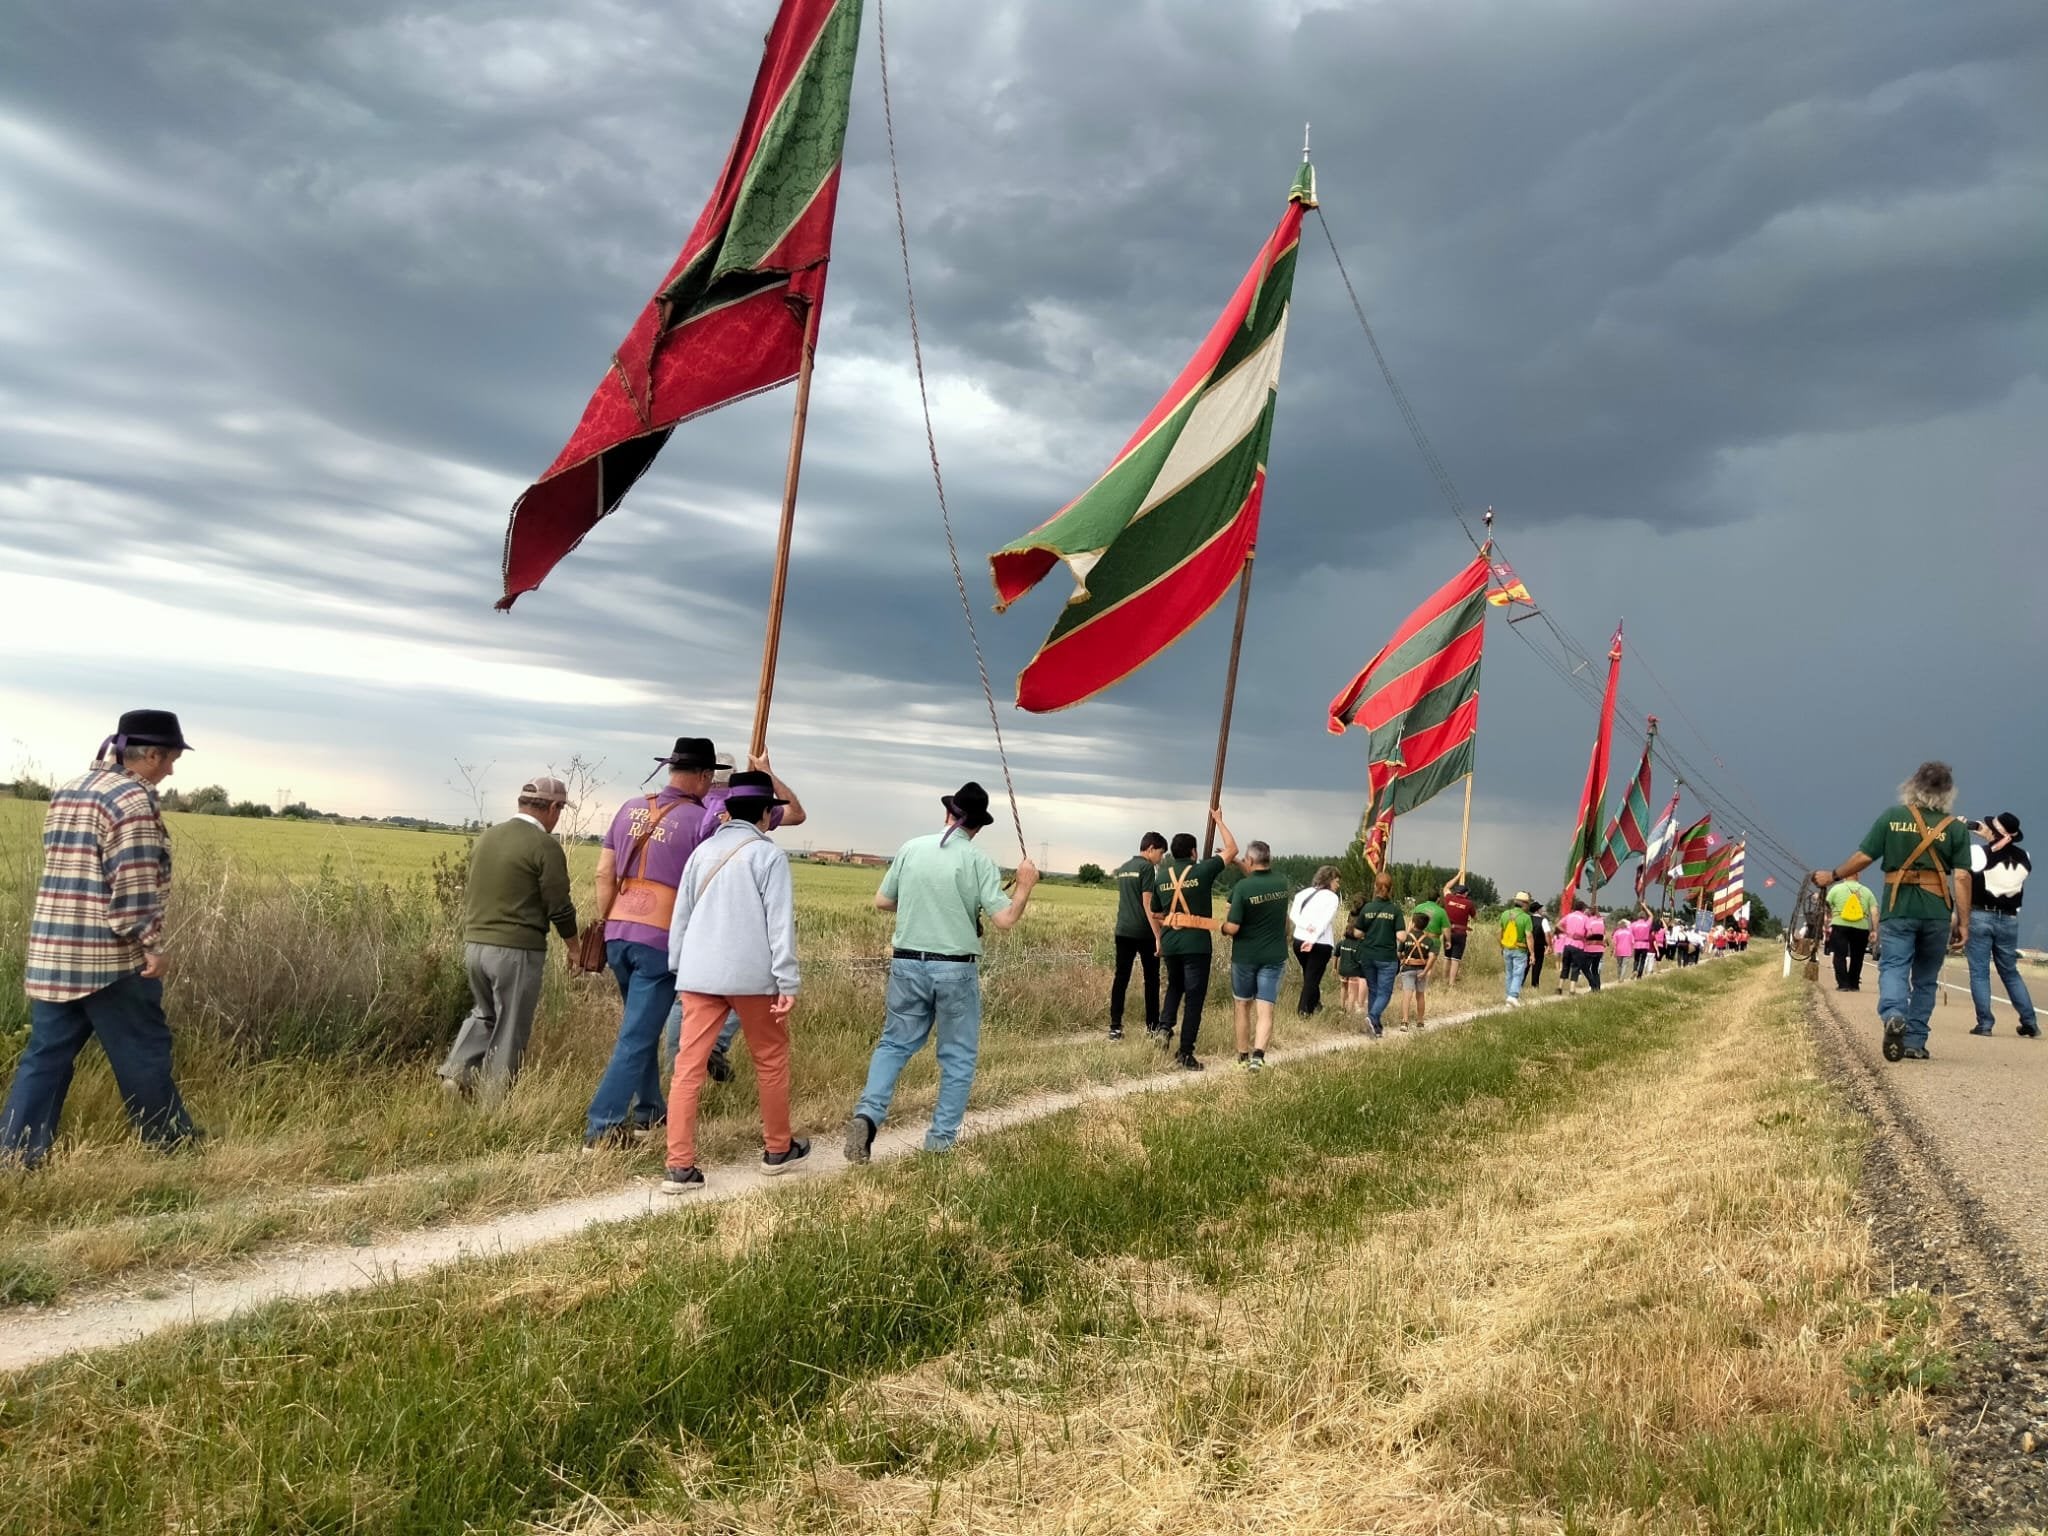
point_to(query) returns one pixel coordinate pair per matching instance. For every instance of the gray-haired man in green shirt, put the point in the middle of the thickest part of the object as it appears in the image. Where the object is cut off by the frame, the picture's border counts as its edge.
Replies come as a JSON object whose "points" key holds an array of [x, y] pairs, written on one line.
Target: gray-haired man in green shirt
{"points": [[518, 889], [940, 886]]}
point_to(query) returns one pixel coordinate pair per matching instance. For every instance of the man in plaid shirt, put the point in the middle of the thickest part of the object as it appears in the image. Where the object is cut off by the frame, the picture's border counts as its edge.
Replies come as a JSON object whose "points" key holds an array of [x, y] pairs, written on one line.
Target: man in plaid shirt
{"points": [[95, 944]]}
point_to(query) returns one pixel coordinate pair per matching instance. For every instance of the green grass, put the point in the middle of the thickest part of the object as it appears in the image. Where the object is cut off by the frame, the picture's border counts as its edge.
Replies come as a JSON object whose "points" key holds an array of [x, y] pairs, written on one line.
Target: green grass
{"points": [[483, 1397], [310, 1007]]}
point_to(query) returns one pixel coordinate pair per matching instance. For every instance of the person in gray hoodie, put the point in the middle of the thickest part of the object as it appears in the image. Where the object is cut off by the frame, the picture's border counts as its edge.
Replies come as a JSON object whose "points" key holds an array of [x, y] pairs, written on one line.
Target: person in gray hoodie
{"points": [[732, 946]]}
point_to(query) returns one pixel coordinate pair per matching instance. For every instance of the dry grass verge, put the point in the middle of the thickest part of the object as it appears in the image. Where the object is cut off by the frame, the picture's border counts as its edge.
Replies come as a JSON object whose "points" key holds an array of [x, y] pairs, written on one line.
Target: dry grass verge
{"points": [[1653, 1313]]}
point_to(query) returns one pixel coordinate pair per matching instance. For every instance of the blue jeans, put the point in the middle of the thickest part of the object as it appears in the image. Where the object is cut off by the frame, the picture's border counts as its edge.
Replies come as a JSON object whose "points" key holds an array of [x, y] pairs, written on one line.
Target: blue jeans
{"points": [[1995, 940], [924, 995], [1379, 987], [128, 1017], [631, 1084], [1910, 952], [1259, 983], [672, 1037], [1515, 965]]}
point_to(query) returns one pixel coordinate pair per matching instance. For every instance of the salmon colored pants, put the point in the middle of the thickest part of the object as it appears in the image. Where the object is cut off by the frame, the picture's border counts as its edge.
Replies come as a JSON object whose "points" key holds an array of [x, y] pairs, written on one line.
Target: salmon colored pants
{"points": [[767, 1043]]}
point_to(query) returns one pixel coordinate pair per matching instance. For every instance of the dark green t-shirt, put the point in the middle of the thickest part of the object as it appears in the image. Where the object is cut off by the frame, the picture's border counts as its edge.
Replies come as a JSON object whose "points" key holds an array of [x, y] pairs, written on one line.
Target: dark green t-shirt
{"points": [[1380, 924], [1892, 838], [1134, 897], [1258, 905], [1197, 880]]}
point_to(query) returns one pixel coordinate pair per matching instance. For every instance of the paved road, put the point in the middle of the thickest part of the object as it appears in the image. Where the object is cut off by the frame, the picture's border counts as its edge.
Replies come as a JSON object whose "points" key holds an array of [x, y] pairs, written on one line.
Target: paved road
{"points": [[1981, 1104]]}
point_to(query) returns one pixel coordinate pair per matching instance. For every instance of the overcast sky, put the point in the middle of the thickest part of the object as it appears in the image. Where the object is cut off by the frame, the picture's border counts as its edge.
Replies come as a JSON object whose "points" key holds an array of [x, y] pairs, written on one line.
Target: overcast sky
{"points": [[1738, 312]]}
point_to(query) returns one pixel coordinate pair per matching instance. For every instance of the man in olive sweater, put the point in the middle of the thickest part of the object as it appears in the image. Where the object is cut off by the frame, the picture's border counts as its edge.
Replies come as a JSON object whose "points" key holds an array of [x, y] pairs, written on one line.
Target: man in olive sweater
{"points": [[518, 889]]}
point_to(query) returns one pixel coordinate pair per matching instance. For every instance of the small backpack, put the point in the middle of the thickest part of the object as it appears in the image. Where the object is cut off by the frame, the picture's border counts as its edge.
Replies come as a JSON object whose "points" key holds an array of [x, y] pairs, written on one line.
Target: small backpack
{"points": [[1852, 909]]}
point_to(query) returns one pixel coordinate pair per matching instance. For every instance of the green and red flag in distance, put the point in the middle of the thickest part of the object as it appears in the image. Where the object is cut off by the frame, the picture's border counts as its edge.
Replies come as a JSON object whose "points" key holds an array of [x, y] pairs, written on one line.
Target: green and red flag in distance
{"points": [[1593, 798], [1629, 832], [732, 317], [1418, 700], [1695, 851], [1157, 541]]}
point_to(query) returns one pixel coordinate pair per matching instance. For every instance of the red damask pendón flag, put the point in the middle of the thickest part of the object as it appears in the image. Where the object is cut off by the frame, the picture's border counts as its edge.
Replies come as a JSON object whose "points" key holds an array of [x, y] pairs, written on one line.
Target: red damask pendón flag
{"points": [[739, 306]]}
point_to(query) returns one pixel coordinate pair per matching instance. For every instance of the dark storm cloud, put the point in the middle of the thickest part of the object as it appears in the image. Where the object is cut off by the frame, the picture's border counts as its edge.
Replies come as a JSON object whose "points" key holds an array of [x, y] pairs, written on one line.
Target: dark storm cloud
{"points": [[305, 296]]}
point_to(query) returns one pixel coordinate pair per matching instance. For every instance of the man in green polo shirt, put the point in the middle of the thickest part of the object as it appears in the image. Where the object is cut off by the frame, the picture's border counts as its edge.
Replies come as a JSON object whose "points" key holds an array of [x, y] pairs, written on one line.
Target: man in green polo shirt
{"points": [[1852, 914], [1925, 853], [1137, 933], [1182, 901], [1439, 919], [1377, 924], [940, 887], [1258, 926]]}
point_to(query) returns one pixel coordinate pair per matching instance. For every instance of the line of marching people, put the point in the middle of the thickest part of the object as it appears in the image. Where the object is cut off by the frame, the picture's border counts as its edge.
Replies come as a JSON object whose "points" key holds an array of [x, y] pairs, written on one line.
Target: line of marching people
{"points": [[697, 930], [1165, 927]]}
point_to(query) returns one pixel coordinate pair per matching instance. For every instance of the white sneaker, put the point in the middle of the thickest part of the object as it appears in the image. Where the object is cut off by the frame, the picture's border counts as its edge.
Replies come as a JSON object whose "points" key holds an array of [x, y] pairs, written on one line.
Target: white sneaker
{"points": [[1514, 1002]]}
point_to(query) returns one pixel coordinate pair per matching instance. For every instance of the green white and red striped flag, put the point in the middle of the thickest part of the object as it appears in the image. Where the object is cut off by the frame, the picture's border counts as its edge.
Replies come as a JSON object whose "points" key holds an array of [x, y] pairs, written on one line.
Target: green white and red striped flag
{"points": [[1156, 542], [1593, 798], [1629, 832], [732, 316], [1419, 700]]}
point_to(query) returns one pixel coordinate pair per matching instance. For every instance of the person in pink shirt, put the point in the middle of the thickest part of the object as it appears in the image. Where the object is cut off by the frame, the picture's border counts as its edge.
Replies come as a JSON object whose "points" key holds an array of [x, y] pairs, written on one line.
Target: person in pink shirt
{"points": [[1594, 939], [1646, 959], [1624, 948], [1572, 936]]}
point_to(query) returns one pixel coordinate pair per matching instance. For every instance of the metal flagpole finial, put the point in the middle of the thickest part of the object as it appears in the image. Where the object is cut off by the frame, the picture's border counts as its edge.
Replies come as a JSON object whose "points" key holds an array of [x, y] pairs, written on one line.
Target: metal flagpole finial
{"points": [[1489, 518], [1304, 143]]}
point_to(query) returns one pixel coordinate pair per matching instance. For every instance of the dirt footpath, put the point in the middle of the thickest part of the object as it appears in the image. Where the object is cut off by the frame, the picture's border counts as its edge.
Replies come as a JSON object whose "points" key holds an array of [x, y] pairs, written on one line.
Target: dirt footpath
{"points": [[1953, 1191]]}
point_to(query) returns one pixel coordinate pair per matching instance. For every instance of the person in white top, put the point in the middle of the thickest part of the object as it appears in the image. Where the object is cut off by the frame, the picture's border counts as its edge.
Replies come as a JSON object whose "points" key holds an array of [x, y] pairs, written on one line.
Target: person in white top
{"points": [[1313, 913]]}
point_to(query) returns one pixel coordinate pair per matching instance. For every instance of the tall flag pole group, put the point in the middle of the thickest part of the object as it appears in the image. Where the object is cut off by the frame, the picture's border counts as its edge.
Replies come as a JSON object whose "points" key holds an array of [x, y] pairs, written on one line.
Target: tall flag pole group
{"points": [[736, 311], [1592, 799], [1418, 702], [1155, 543]]}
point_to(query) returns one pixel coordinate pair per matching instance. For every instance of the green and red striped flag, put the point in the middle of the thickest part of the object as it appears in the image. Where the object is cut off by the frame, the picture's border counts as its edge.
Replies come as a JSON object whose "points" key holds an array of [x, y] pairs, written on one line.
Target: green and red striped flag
{"points": [[1419, 701], [1629, 832], [1156, 542], [734, 314], [1695, 852], [1593, 798]]}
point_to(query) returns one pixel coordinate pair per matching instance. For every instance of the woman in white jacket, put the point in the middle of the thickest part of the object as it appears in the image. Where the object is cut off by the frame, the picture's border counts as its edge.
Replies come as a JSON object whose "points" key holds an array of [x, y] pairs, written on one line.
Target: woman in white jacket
{"points": [[1313, 913], [732, 945]]}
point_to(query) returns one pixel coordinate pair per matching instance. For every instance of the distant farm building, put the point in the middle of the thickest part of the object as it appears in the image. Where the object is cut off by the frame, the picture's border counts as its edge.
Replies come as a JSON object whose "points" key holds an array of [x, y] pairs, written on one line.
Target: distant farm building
{"points": [[859, 860]]}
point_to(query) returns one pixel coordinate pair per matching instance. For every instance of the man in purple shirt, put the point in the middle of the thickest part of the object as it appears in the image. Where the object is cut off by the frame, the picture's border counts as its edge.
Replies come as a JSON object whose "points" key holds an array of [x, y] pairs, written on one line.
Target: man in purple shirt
{"points": [[651, 839]]}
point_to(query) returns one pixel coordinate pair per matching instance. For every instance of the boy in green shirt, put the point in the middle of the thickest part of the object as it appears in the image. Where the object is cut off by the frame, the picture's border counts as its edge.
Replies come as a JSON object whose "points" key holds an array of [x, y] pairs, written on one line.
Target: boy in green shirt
{"points": [[1182, 902], [1258, 925], [1418, 960], [1137, 933]]}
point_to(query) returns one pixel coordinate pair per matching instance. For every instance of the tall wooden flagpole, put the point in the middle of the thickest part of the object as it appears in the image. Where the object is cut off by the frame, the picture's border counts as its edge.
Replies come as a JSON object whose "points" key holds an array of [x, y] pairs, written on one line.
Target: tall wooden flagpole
{"points": [[1244, 598], [1465, 833], [772, 645]]}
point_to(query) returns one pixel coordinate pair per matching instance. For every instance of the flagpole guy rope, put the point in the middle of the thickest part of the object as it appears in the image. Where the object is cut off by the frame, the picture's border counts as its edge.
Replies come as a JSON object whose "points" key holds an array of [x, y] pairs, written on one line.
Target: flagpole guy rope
{"points": [[931, 441]]}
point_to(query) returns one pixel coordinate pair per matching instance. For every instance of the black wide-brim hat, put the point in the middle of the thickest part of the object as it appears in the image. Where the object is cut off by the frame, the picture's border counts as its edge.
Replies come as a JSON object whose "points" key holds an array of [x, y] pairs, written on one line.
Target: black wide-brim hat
{"points": [[968, 805], [692, 754], [753, 789], [152, 728]]}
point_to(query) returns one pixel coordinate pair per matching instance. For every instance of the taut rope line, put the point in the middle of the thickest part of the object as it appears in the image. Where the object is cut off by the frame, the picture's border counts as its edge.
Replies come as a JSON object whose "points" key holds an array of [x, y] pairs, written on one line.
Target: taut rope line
{"points": [[931, 441]]}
